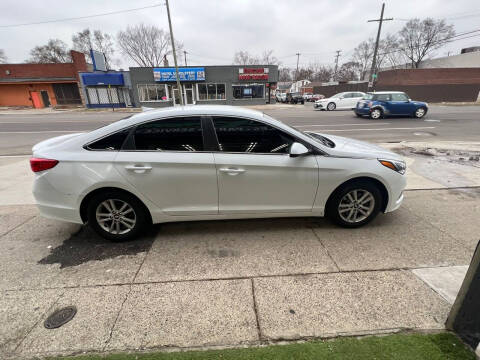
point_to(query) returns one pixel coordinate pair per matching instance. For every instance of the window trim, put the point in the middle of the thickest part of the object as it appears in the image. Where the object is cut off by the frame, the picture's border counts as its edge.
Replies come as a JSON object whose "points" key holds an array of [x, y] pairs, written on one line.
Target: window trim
{"points": [[153, 101], [216, 90], [245, 85]]}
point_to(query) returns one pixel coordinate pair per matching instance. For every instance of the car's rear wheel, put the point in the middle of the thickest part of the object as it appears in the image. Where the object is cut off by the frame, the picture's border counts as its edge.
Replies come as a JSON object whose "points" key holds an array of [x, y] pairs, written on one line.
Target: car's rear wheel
{"points": [[331, 106], [354, 204], [358, 115], [117, 216], [376, 114], [420, 112]]}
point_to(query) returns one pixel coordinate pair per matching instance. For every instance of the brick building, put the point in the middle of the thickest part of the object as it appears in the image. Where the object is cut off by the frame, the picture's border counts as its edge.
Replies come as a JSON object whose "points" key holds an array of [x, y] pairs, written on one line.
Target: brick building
{"points": [[42, 85]]}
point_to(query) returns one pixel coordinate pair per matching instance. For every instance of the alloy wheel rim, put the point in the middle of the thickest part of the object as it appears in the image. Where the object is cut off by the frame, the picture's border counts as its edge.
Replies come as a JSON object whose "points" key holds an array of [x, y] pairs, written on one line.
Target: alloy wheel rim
{"points": [[356, 206], [375, 114], [331, 106], [420, 112], [116, 216]]}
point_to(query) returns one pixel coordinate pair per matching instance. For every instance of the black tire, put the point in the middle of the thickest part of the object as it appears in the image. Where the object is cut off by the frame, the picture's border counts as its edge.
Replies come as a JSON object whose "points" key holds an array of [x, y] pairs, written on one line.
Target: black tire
{"points": [[374, 112], [141, 216], [331, 106], [333, 204], [303, 102], [358, 115], [419, 115]]}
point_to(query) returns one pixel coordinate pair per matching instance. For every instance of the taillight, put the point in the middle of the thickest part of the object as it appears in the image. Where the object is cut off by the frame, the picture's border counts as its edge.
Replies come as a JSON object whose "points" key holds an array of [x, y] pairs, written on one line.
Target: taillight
{"points": [[42, 164]]}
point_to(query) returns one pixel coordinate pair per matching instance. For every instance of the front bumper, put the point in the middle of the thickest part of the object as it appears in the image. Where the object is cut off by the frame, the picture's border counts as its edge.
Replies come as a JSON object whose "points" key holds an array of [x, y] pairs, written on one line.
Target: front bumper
{"points": [[319, 106], [362, 110]]}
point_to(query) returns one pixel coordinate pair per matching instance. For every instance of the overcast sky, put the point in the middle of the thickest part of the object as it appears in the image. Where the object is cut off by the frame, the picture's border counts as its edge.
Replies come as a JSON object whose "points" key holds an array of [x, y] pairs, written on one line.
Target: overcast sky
{"points": [[212, 30]]}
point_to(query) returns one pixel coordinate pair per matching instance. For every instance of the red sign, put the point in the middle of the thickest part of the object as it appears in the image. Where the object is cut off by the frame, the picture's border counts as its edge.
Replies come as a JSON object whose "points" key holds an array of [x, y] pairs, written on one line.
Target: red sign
{"points": [[253, 74]]}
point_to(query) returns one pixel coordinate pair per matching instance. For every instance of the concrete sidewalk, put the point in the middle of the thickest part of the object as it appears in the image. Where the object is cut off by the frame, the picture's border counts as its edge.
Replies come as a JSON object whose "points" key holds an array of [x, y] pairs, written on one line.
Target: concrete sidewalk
{"points": [[228, 283]]}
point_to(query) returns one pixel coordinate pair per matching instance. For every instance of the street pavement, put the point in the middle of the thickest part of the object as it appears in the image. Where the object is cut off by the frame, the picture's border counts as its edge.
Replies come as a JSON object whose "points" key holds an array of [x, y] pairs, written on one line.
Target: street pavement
{"points": [[20, 131], [234, 283]]}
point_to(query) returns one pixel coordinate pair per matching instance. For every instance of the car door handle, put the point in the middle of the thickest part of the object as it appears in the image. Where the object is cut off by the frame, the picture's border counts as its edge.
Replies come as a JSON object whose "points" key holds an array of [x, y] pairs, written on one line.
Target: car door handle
{"points": [[232, 171], [138, 168]]}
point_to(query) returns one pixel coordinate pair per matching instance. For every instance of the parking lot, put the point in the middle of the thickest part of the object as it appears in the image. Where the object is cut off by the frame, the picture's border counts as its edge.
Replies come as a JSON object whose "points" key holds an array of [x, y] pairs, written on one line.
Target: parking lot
{"points": [[231, 283]]}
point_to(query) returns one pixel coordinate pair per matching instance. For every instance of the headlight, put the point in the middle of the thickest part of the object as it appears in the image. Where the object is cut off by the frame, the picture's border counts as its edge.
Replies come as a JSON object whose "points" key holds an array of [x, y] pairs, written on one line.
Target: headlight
{"points": [[396, 165]]}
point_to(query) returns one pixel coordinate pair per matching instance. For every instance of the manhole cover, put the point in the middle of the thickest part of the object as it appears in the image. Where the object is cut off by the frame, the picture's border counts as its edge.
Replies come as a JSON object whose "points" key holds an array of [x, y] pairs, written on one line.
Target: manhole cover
{"points": [[60, 317]]}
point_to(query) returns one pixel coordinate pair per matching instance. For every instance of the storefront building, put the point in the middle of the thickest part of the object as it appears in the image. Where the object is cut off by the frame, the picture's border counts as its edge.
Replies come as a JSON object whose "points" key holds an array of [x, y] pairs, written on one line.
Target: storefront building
{"points": [[106, 89], [42, 85], [227, 85]]}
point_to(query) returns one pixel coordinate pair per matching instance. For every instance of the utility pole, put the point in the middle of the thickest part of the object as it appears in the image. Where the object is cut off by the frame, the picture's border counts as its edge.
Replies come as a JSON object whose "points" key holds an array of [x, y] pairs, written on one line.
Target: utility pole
{"points": [[296, 72], [373, 75], [336, 64], [174, 54], [185, 57]]}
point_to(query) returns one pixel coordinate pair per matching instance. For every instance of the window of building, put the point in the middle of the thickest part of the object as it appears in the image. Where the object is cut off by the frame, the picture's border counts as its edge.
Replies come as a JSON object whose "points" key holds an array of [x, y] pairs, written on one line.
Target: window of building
{"points": [[248, 91], [110, 142], [399, 97], [177, 134], [211, 91], [244, 135], [152, 92]]}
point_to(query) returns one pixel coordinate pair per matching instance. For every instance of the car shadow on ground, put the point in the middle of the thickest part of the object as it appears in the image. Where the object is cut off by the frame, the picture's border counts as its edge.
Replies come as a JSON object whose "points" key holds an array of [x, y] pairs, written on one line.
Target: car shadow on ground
{"points": [[86, 245]]}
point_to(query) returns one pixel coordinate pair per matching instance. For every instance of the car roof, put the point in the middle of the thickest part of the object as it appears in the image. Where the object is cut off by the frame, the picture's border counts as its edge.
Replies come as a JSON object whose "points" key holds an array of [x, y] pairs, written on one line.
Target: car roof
{"points": [[386, 92]]}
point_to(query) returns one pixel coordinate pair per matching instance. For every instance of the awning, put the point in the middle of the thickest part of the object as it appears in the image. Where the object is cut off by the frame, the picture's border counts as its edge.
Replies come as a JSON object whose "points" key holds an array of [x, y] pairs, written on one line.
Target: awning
{"points": [[102, 79]]}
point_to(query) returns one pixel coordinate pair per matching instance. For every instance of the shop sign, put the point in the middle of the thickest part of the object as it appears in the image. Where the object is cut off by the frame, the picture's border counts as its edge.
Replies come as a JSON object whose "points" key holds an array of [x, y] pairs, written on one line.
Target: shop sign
{"points": [[253, 74], [185, 74]]}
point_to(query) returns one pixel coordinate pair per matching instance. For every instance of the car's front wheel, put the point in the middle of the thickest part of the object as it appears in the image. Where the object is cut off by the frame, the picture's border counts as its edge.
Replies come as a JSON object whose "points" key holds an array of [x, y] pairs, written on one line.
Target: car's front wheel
{"points": [[376, 114], [420, 112], [354, 204], [117, 216], [331, 106]]}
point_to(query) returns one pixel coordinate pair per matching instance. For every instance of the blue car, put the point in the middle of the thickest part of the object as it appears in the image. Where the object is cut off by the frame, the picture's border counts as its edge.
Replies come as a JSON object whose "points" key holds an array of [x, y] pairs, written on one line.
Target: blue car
{"points": [[387, 103]]}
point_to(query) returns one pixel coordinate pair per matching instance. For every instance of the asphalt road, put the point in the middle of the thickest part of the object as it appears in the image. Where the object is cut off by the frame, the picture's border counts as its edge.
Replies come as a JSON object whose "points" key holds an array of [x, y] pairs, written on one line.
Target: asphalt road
{"points": [[19, 132]]}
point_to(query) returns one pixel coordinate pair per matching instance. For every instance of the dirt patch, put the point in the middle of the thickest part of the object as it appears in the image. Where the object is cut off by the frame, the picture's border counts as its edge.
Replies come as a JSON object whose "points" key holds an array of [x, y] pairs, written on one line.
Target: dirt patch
{"points": [[462, 157]]}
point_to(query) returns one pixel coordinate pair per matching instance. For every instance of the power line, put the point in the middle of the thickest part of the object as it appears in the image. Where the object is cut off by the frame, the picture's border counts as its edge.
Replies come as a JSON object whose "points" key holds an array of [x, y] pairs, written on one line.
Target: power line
{"points": [[80, 17]]}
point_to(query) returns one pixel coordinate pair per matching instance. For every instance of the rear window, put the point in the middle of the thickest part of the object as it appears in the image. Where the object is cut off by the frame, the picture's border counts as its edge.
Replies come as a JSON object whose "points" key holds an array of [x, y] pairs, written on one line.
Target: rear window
{"points": [[110, 142]]}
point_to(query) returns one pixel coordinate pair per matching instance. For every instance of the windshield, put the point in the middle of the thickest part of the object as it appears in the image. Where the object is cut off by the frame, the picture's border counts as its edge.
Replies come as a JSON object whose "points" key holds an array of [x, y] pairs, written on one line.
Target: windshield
{"points": [[338, 95]]}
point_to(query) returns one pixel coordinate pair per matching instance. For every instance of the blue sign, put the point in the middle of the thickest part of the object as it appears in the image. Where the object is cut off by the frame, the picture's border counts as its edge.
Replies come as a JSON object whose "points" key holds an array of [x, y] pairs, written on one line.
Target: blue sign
{"points": [[185, 74]]}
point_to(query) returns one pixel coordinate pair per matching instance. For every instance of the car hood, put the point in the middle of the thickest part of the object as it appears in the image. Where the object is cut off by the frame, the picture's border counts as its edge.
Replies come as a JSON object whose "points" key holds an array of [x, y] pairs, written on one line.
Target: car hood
{"points": [[346, 147], [49, 143], [326, 99]]}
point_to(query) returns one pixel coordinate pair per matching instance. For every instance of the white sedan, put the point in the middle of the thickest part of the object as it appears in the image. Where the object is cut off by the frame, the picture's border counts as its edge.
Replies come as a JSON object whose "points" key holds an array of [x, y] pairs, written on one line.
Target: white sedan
{"points": [[344, 100], [206, 163]]}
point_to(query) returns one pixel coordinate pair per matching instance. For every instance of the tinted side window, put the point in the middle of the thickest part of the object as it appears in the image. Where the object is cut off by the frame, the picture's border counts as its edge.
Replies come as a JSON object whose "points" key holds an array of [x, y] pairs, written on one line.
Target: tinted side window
{"points": [[383, 97], [110, 142], [244, 135], [178, 134], [399, 97]]}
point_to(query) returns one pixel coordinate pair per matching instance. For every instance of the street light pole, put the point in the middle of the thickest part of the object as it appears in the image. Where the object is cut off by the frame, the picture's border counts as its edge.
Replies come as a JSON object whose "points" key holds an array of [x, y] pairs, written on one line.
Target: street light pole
{"points": [[185, 57], [296, 72], [174, 54], [375, 51]]}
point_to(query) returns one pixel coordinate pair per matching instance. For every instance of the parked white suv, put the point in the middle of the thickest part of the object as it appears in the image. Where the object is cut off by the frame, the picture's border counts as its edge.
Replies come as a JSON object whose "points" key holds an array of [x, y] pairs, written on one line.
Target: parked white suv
{"points": [[345, 100]]}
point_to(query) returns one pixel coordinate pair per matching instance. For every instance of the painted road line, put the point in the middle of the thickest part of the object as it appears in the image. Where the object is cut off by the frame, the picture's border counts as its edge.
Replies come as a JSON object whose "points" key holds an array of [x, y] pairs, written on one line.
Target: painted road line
{"points": [[301, 126], [377, 129], [431, 120]]}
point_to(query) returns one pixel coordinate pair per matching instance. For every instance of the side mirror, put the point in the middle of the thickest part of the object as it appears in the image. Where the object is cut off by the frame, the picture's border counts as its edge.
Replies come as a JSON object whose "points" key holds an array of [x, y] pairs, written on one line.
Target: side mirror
{"points": [[298, 149]]}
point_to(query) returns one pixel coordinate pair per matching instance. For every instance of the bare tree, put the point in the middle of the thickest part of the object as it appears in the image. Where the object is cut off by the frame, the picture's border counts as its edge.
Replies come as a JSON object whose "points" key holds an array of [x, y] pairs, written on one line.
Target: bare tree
{"points": [[268, 58], [419, 38], [146, 45], [55, 51], [349, 71], [3, 57], [320, 72], [285, 74], [85, 40], [245, 58], [363, 55]]}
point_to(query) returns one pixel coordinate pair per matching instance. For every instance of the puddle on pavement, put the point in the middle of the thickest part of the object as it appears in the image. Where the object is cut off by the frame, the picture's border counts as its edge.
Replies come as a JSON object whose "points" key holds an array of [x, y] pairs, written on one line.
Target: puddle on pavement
{"points": [[85, 245]]}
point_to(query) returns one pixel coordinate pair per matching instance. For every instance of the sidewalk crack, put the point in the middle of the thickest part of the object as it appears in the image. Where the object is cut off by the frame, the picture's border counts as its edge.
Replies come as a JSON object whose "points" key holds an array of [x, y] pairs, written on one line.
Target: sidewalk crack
{"points": [[255, 310], [326, 249]]}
